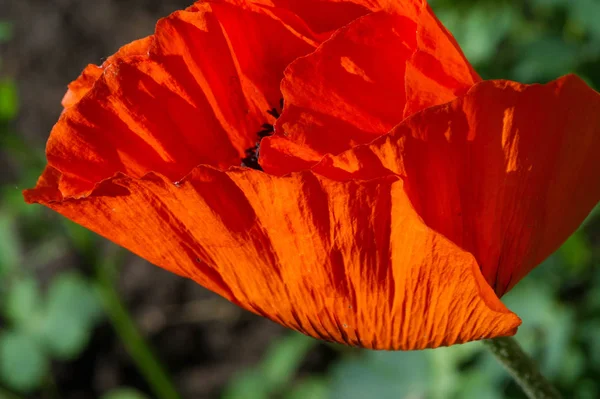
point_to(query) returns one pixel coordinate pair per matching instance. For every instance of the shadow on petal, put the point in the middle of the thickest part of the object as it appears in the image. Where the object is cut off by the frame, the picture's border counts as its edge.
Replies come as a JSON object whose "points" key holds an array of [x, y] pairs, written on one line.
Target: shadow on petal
{"points": [[349, 262]]}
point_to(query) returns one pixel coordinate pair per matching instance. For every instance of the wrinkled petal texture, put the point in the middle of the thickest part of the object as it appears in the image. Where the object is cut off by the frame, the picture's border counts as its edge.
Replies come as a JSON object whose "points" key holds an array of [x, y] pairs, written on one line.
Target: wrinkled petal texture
{"points": [[321, 16], [196, 92], [82, 85], [507, 172], [398, 242], [349, 262], [361, 83], [311, 253], [315, 18]]}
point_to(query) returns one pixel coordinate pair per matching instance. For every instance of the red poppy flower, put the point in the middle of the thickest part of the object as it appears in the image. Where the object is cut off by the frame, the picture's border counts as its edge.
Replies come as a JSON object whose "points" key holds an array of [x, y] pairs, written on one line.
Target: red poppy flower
{"points": [[401, 195]]}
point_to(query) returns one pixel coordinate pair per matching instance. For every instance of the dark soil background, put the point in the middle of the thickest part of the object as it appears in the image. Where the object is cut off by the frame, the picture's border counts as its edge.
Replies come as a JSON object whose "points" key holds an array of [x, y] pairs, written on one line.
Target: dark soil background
{"points": [[201, 338]]}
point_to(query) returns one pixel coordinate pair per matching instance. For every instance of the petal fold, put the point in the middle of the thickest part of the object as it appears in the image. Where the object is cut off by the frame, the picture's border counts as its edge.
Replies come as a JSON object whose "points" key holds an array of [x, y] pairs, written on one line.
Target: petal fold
{"points": [[349, 262], [196, 92], [79, 87], [321, 16], [506, 172], [362, 82]]}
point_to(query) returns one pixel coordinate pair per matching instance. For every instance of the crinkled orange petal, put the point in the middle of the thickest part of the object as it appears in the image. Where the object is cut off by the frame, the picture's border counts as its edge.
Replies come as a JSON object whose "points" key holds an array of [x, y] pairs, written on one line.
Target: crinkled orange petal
{"points": [[198, 96], [506, 172], [349, 262], [326, 16], [322, 16], [437, 71], [79, 87], [362, 82], [344, 13]]}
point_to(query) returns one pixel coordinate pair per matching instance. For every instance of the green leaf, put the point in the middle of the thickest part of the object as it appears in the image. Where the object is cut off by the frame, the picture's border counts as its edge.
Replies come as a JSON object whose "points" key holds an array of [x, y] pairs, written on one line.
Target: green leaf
{"points": [[10, 245], [479, 28], [275, 371], [9, 102], [72, 310], [247, 385], [124, 393], [475, 385], [589, 333], [382, 375], [572, 366], [283, 359], [310, 388], [576, 252], [65, 337], [23, 364], [585, 13], [444, 368], [545, 59], [22, 302]]}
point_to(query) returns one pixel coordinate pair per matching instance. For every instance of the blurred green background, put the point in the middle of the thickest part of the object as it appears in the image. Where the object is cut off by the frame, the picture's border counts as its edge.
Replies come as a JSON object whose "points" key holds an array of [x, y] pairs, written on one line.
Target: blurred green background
{"points": [[75, 321]]}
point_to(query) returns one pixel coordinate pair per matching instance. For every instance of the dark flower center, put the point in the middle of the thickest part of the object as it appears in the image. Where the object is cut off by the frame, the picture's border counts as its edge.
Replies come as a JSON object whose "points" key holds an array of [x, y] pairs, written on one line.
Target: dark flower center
{"points": [[251, 158]]}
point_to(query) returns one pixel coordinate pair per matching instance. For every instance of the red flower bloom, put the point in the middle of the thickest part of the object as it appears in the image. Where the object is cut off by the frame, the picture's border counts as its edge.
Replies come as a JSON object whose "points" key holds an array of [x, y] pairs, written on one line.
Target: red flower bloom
{"points": [[400, 197]]}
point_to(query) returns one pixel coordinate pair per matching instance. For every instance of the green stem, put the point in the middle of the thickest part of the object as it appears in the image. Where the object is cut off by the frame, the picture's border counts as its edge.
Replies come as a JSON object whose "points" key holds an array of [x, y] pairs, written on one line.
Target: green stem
{"points": [[143, 357], [522, 368]]}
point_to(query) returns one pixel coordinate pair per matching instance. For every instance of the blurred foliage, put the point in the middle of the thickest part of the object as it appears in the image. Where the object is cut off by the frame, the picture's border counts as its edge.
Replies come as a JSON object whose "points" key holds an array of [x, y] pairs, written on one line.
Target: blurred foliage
{"points": [[526, 40], [40, 322], [39, 325], [274, 375], [44, 321], [5, 31], [8, 100], [124, 393]]}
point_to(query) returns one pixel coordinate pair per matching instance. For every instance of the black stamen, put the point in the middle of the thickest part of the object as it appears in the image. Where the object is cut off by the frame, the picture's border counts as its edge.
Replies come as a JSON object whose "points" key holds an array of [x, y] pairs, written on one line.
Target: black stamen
{"points": [[273, 112], [251, 158], [264, 133]]}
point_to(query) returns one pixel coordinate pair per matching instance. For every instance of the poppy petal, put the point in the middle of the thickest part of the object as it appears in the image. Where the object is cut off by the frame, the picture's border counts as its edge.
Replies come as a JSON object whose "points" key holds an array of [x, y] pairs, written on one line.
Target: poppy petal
{"points": [[506, 172], [361, 83], [322, 16], [349, 262], [438, 71], [198, 96], [79, 87]]}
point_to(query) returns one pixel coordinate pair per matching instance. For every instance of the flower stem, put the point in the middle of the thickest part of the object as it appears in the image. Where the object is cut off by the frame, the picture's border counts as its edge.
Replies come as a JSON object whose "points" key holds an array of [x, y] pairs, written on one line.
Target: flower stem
{"points": [[143, 357], [521, 368]]}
